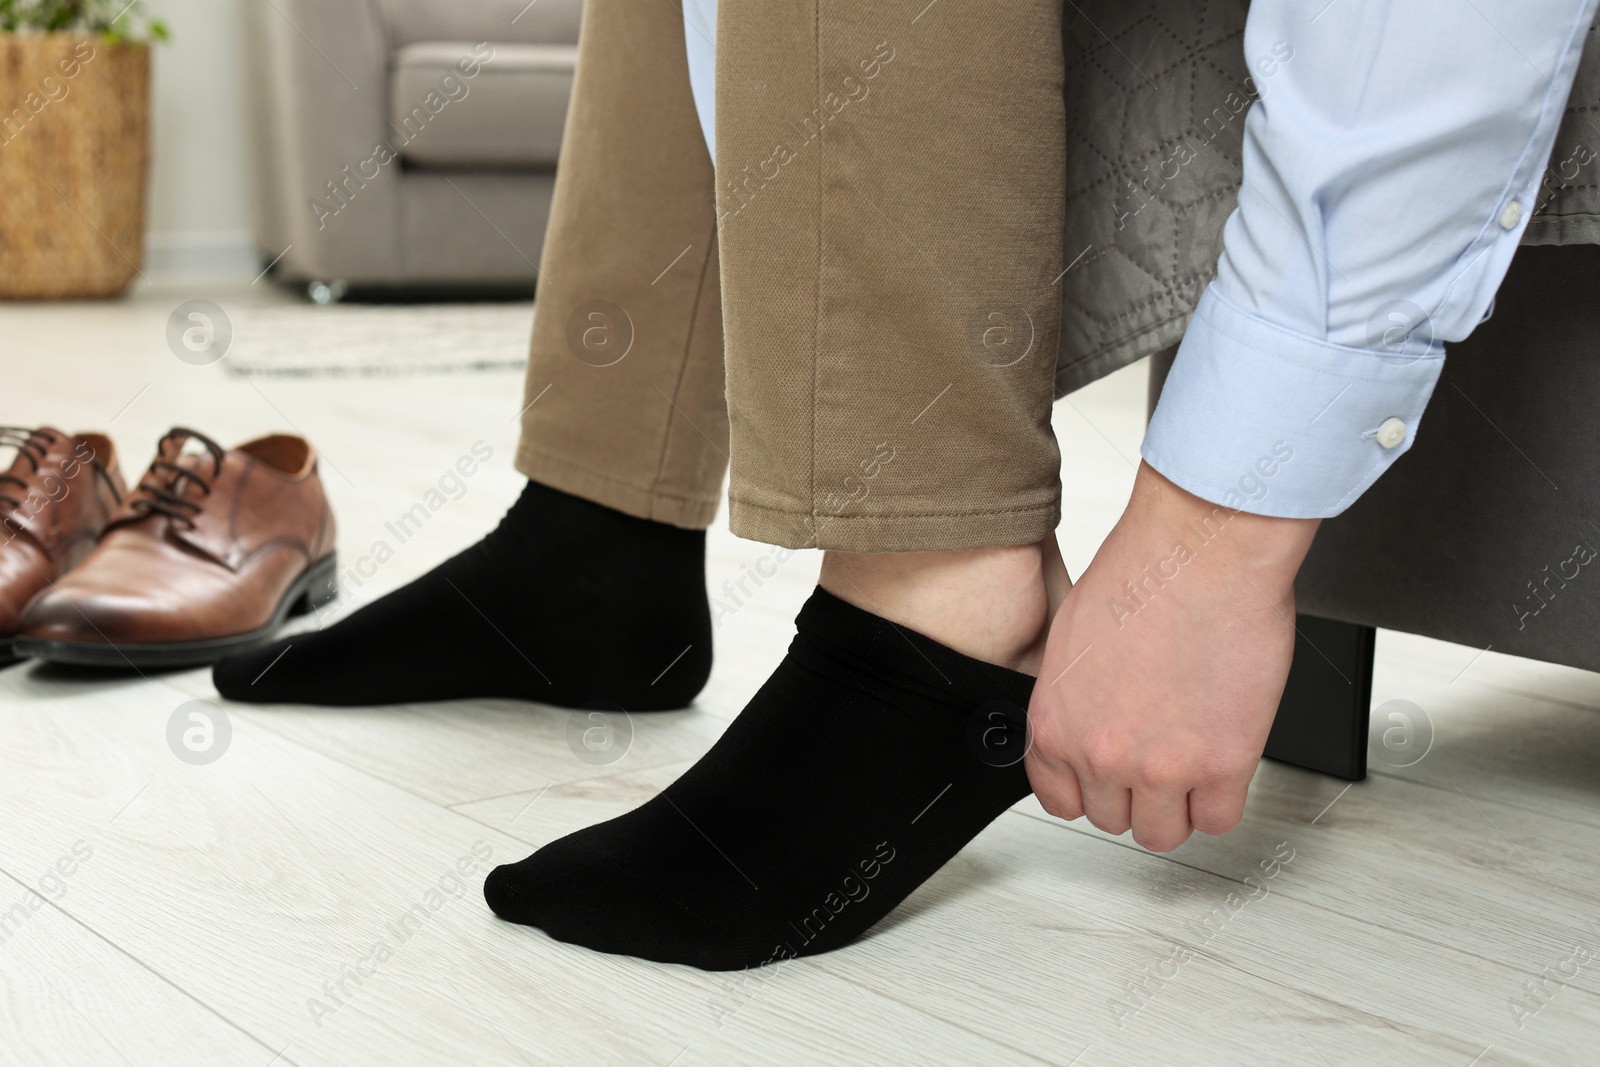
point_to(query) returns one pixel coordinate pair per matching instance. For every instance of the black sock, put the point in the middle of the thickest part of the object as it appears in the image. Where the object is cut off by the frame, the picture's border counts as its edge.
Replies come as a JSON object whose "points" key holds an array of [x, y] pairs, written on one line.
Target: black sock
{"points": [[566, 602], [869, 758]]}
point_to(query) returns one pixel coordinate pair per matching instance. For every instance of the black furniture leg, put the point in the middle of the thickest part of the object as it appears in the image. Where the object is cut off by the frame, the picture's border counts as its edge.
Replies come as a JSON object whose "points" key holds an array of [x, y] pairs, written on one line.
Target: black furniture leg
{"points": [[1323, 716]]}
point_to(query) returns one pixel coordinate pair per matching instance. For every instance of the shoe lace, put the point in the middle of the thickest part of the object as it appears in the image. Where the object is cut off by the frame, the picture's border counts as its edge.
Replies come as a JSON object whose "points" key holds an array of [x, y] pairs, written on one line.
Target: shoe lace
{"points": [[30, 445], [166, 498]]}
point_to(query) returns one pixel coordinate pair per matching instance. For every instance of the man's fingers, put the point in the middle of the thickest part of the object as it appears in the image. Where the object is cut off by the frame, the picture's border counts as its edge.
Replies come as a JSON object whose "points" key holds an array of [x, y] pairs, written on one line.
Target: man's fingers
{"points": [[1216, 809], [1160, 819], [1056, 787], [1109, 805]]}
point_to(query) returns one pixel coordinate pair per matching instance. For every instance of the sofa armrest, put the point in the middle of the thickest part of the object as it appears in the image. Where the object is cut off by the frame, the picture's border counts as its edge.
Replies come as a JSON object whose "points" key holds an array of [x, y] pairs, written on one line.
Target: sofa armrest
{"points": [[511, 21], [319, 94]]}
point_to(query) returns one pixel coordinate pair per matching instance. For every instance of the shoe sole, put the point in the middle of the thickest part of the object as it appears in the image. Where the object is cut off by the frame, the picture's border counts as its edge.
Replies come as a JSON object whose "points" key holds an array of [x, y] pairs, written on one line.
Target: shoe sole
{"points": [[314, 588], [8, 651]]}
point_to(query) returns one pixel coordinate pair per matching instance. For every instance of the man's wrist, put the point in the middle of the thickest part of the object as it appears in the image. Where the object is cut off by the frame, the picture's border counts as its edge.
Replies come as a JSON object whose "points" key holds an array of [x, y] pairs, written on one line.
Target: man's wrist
{"points": [[1253, 546]]}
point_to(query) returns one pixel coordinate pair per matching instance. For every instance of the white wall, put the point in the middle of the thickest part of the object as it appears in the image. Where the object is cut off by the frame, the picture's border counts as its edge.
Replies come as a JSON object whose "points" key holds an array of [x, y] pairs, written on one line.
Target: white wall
{"points": [[199, 219]]}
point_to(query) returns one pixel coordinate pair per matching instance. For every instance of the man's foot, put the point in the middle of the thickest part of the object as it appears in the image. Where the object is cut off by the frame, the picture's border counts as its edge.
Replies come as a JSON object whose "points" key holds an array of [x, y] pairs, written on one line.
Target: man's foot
{"points": [[566, 602], [869, 758], [992, 604]]}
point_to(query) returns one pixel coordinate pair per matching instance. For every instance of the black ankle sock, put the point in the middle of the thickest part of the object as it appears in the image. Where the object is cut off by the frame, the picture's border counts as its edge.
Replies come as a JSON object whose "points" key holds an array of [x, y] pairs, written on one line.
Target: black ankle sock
{"points": [[869, 758], [566, 602]]}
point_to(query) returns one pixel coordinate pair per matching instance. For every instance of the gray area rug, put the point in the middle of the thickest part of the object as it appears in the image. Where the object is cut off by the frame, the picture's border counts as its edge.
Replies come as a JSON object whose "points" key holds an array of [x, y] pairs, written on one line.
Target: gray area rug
{"points": [[355, 339]]}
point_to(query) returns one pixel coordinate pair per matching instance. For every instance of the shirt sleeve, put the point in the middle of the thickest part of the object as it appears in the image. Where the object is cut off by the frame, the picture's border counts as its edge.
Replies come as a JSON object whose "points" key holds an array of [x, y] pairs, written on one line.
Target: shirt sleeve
{"points": [[1392, 159]]}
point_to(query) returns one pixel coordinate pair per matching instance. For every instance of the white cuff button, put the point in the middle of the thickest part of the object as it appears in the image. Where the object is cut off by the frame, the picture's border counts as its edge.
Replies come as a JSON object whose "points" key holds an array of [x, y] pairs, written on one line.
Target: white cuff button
{"points": [[1391, 433], [1511, 215]]}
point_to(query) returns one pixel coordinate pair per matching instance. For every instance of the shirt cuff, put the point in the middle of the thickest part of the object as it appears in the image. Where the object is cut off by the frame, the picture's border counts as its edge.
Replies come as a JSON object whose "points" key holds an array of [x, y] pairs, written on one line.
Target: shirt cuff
{"points": [[1259, 418]]}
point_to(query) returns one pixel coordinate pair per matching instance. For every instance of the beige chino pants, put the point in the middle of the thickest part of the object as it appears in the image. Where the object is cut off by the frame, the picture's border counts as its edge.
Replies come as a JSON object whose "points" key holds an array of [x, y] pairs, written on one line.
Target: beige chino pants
{"points": [[860, 318]]}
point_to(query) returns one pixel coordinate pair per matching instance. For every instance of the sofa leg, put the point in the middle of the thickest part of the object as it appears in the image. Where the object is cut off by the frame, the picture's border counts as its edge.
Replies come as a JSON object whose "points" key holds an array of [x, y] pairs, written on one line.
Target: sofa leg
{"points": [[326, 292], [1327, 704]]}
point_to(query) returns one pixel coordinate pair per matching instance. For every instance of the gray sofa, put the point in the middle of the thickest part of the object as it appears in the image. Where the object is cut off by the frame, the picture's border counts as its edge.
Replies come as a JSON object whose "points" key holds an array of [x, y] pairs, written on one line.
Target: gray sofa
{"points": [[407, 143]]}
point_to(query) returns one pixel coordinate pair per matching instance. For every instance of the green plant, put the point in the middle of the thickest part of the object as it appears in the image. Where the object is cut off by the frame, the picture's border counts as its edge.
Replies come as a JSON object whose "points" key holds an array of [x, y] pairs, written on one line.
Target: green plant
{"points": [[114, 20]]}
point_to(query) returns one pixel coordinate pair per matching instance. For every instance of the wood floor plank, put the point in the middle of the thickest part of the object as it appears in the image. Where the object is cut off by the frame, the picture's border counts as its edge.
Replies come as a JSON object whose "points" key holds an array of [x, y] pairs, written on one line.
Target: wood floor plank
{"points": [[1047, 929], [457, 751], [254, 882], [68, 996], [985, 928], [1507, 884], [1494, 744], [543, 815], [1488, 668]]}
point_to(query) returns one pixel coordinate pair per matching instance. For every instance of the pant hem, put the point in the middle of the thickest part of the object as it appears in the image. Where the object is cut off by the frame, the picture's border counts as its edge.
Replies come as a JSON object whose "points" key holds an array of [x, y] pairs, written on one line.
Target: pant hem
{"points": [[655, 504], [918, 532]]}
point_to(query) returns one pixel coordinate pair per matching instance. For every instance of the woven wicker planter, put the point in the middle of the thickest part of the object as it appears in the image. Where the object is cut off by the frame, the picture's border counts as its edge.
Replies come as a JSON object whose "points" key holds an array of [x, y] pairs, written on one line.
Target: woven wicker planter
{"points": [[74, 151]]}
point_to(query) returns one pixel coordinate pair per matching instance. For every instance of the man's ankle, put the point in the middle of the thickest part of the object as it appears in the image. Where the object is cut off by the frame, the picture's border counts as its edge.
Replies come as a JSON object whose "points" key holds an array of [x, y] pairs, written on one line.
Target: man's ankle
{"points": [[993, 604]]}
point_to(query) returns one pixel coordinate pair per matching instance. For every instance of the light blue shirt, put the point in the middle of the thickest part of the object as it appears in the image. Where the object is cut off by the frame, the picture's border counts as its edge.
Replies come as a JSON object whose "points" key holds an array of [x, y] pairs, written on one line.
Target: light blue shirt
{"points": [[700, 36], [1392, 160]]}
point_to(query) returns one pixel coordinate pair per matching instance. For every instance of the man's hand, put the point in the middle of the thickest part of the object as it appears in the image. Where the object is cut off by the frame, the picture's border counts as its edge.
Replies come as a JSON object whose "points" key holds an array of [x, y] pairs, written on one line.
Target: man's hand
{"points": [[1164, 667]]}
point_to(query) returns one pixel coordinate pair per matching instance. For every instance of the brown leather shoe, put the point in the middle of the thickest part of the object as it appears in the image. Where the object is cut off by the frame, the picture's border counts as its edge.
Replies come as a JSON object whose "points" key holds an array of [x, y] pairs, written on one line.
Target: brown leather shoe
{"points": [[209, 555], [54, 501]]}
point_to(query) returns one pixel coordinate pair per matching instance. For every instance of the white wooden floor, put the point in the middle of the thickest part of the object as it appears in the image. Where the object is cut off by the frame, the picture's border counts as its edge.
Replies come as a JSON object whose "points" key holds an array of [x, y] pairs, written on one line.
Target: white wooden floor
{"points": [[1444, 913]]}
